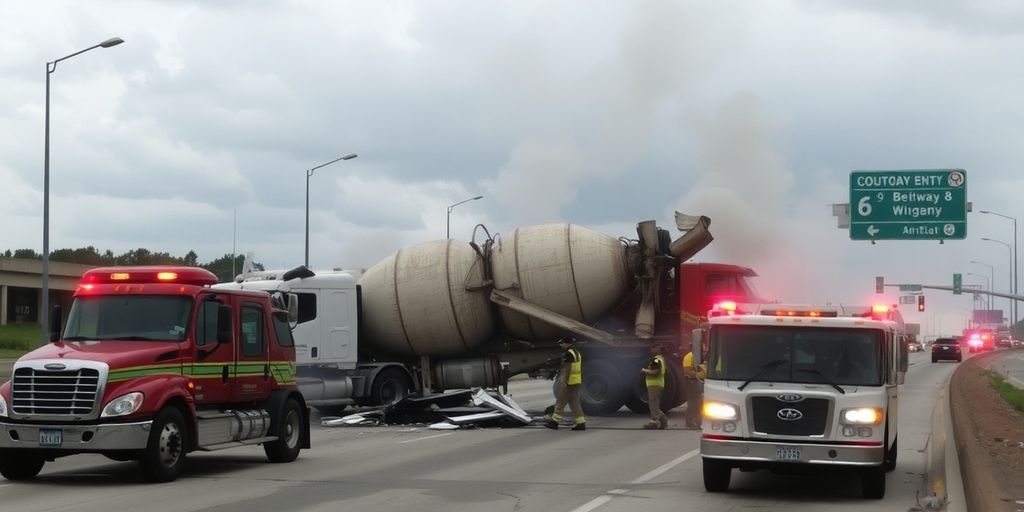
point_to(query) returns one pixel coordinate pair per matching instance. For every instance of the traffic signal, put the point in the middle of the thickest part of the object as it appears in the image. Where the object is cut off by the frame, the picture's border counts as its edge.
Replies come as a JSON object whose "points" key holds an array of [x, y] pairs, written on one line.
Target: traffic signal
{"points": [[879, 284], [958, 281], [920, 302]]}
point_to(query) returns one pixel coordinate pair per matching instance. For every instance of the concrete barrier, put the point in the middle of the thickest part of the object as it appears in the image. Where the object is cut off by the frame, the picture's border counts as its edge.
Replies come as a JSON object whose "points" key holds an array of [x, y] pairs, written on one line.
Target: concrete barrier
{"points": [[944, 484]]}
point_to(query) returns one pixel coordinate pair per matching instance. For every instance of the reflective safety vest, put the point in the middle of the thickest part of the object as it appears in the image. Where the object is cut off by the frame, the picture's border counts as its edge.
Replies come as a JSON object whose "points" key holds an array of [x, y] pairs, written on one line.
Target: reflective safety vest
{"points": [[659, 379], [575, 368], [688, 371]]}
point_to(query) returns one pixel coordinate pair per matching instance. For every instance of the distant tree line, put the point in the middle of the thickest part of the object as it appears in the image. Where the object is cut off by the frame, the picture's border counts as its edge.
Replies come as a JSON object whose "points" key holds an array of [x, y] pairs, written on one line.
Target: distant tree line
{"points": [[141, 256]]}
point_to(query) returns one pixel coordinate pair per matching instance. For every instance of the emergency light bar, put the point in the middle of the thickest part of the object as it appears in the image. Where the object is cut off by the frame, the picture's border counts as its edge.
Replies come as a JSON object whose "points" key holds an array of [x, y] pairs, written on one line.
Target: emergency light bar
{"points": [[815, 313], [133, 275]]}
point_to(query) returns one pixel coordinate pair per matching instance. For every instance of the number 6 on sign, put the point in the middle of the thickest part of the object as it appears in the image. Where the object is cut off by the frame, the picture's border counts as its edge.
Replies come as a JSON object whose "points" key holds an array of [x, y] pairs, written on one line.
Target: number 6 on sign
{"points": [[864, 206]]}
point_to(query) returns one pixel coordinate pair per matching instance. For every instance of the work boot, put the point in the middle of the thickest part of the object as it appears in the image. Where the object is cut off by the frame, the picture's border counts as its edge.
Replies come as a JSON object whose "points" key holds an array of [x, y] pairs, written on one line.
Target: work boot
{"points": [[663, 424], [650, 425], [550, 423], [580, 426]]}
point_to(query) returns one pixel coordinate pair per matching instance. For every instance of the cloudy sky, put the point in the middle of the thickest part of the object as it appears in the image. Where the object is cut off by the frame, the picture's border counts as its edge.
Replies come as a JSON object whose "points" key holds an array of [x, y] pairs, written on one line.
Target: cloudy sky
{"points": [[596, 113]]}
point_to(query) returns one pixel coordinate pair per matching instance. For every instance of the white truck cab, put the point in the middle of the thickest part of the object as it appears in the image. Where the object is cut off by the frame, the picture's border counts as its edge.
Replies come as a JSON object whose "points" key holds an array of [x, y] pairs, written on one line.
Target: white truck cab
{"points": [[792, 388]]}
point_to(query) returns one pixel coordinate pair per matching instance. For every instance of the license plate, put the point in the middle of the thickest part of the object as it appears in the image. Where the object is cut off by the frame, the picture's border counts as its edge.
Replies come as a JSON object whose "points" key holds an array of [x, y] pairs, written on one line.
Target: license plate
{"points": [[50, 437], [787, 453]]}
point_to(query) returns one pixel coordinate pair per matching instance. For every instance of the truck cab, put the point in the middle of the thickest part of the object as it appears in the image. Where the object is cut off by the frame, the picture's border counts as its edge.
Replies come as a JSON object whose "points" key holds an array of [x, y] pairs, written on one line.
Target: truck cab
{"points": [[152, 364], [792, 387]]}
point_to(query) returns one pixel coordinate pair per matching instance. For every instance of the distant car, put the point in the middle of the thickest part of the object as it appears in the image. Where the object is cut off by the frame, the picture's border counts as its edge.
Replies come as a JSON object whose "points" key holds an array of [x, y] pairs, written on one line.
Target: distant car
{"points": [[946, 349], [1004, 342]]}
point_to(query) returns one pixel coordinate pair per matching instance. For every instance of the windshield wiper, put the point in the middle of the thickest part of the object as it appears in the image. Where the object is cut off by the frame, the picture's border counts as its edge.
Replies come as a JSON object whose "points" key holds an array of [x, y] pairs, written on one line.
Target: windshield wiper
{"points": [[78, 338], [823, 377], [767, 366]]}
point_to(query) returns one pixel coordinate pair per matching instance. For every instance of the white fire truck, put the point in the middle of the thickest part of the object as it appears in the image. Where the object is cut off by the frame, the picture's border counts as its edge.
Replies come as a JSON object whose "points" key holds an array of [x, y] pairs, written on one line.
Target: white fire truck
{"points": [[799, 388]]}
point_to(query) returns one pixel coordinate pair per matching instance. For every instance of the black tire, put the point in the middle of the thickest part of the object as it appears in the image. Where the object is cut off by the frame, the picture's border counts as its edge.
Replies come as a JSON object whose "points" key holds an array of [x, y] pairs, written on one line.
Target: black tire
{"points": [[716, 475], [636, 396], [20, 464], [389, 386], [604, 389], [872, 483], [163, 459], [672, 396], [890, 457], [288, 428]]}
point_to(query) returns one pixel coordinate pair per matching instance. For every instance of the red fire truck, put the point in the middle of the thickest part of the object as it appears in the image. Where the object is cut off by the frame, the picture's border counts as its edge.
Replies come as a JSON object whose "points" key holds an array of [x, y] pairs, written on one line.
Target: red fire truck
{"points": [[152, 364]]}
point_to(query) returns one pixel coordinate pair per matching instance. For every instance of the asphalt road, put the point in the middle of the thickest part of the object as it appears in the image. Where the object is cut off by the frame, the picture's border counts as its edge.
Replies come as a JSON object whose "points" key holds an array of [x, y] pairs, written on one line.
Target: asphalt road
{"points": [[612, 466]]}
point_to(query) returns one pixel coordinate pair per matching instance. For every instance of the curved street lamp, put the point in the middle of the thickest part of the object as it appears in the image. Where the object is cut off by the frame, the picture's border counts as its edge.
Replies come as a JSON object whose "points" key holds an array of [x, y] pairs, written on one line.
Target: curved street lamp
{"points": [[44, 314], [1016, 275], [309, 174], [448, 231], [992, 278]]}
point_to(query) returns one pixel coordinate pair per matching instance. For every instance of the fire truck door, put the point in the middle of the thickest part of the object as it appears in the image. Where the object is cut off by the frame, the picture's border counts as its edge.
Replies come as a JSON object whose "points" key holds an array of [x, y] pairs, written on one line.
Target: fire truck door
{"points": [[213, 361], [252, 369]]}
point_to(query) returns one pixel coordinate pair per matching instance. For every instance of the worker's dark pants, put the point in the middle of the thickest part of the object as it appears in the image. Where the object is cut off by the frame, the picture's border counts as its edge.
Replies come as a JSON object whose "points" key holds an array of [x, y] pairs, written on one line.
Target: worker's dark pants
{"points": [[571, 397], [658, 417]]}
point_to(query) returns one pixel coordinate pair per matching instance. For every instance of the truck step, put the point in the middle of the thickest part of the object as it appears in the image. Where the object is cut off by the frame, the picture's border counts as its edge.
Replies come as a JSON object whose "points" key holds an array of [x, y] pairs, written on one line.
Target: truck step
{"points": [[235, 444]]}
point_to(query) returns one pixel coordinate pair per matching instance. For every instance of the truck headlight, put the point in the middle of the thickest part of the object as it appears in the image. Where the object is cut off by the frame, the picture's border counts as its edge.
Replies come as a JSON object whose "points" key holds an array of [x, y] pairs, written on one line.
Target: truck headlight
{"points": [[720, 411], [123, 405], [863, 416], [3, 407]]}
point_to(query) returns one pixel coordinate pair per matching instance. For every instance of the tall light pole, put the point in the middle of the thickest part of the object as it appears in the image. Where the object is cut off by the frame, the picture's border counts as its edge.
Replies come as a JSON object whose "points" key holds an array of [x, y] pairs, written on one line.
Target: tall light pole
{"points": [[1016, 275], [988, 284], [1009, 251], [44, 314], [309, 174], [448, 231], [992, 278]]}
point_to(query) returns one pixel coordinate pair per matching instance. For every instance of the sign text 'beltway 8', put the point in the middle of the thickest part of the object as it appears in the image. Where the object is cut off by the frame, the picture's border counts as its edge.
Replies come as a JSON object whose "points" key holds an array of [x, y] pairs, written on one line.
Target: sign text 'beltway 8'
{"points": [[929, 204]]}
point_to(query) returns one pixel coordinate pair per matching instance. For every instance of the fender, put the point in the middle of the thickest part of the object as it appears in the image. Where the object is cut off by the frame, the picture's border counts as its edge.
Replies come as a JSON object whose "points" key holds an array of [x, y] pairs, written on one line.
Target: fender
{"points": [[275, 406]]}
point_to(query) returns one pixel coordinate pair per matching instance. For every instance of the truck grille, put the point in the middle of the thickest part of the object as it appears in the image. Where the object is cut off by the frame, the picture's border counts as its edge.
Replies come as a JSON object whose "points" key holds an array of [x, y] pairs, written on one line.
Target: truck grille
{"points": [[54, 393], [812, 420]]}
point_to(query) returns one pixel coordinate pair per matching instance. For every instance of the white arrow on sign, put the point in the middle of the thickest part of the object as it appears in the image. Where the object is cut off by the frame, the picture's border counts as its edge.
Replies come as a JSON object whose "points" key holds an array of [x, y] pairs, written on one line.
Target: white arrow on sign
{"points": [[872, 230]]}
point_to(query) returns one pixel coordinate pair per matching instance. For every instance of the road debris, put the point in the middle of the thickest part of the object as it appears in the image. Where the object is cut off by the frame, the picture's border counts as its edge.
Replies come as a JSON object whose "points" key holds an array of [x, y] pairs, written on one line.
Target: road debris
{"points": [[444, 411]]}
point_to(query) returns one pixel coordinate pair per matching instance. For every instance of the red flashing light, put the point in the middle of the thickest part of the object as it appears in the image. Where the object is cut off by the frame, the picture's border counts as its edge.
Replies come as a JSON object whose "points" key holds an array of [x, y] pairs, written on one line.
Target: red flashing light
{"points": [[155, 274]]}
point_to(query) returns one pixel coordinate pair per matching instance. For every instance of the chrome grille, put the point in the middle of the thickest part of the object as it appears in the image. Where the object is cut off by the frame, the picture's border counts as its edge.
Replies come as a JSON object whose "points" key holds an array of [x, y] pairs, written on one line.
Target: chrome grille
{"points": [[54, 392]]}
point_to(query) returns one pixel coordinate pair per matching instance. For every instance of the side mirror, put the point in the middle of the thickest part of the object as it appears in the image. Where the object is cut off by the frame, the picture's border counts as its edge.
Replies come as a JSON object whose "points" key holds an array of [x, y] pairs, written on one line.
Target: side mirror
{"points": [[224, 328], [697, 345], [293, 309], [55, 319]]}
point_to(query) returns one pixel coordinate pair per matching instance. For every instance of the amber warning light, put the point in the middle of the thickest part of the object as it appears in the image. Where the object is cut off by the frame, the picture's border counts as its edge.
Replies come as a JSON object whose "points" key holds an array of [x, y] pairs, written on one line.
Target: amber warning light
{"points": [[141, 275]]}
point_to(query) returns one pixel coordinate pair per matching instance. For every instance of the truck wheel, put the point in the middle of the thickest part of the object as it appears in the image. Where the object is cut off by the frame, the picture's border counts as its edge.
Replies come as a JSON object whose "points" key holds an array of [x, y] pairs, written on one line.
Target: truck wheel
{"points": [[604, 389], [164, 457], [20, 464], [389, 387], [288, 429], [636, 396], [872, 483], [716, 475]]}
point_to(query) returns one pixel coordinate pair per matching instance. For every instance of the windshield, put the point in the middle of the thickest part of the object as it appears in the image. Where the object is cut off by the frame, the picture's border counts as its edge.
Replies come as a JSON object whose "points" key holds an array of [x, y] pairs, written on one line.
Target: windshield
{"points": [[129, 317], [804, 355]]}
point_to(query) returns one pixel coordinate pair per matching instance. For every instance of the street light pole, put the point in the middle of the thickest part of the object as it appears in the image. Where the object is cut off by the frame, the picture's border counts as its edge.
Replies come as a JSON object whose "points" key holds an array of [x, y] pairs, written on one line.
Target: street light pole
{"points": [[44, 302], [309, 174], [1016, 273], [1009, 252], [988, 284], [448, 231], [992, 277]]}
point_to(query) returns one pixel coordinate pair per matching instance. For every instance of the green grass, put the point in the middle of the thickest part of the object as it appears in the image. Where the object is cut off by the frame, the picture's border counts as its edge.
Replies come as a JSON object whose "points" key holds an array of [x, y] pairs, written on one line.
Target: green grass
{"points": [[17, 339], [1013, 395]]}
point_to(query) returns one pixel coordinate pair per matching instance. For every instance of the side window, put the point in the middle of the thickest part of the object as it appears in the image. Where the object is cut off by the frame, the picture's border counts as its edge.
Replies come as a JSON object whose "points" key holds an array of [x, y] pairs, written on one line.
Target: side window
{"points": [[307, 307], [284, 333], [252, 330], [206, 322], [719, 284]]}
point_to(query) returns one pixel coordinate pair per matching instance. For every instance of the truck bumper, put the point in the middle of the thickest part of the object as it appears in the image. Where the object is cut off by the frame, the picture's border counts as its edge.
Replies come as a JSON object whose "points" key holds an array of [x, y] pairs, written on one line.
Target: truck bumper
{"points": [[77, 438], [747, 453]]}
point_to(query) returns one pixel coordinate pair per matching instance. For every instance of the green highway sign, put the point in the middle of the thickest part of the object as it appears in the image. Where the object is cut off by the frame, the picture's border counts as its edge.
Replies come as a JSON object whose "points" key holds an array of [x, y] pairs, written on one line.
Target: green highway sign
{"points": [[908, 205], [910, 287], [958, 284]]}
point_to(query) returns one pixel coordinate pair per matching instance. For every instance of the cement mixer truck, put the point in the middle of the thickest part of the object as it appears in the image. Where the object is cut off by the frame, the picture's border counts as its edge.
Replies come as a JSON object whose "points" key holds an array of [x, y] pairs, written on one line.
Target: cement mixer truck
{"points": [[450, 314]]}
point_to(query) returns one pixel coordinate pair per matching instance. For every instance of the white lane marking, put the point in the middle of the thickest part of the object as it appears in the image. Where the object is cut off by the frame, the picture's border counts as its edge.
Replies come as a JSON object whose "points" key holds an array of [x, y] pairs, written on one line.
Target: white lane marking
{"points": [[425, 438], [646, 477], [656, 472]]}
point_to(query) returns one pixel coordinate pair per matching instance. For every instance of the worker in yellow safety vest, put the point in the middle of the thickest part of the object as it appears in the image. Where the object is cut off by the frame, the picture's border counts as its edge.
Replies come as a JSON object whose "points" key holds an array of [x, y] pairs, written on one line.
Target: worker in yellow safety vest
{"points": [[571, 375], [694, 390], [654, 378]]}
